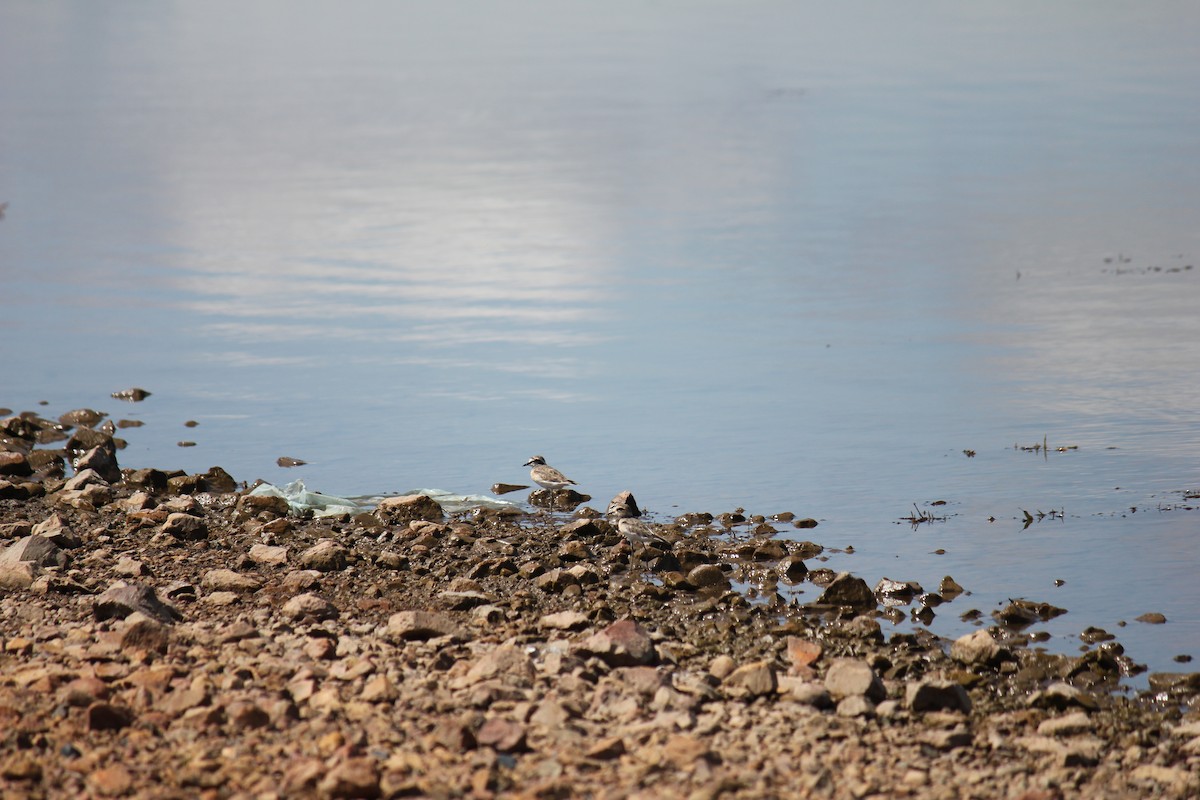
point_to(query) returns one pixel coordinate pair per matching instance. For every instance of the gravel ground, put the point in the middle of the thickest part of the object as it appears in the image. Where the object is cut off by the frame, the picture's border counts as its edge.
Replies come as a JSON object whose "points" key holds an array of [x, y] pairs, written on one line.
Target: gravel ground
{"points": [[168, 635]]}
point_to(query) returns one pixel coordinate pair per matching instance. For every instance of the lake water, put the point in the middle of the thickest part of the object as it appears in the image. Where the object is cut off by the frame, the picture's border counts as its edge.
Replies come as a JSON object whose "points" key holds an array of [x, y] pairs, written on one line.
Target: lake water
{"points": [[778, 256]]}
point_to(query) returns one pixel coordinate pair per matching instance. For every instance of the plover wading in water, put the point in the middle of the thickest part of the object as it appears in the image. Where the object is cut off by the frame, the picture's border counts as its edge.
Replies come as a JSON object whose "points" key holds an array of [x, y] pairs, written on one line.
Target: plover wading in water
{"points": [[547, 476]]}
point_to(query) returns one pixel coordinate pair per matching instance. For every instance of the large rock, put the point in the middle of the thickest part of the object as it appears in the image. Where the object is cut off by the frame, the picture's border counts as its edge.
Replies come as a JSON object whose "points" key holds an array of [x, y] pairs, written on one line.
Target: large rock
{"points": [[847, 590], [14, 465]]}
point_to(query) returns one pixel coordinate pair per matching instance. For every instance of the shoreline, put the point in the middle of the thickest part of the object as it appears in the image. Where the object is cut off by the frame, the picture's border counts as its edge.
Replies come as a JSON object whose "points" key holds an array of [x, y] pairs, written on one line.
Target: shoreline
{"points": [[179, 637]]}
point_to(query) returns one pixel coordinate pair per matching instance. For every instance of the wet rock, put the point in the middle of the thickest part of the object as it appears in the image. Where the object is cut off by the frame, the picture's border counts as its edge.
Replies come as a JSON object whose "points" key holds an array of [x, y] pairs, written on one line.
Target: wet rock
{"points": [[122, 599], [217, 481], [81, 417], [847, 590], [185, 527], [902, 591], [325, 556], [937, 695], [1153, 618], [622, 644], [623, 505], [557, 499], [288, 462], [14, 465], [949, 588], [309, 605], [1023, 613], [407, 625], [978, 648], [848, 677], [707, 576], [102, 459], [406, 508], [507, 488], [131, 395], [1178, 683]]}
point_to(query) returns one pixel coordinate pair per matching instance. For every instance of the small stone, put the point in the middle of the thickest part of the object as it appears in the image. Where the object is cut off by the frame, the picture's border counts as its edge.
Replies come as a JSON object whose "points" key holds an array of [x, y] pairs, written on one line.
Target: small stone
{"points": [[420, 625], [937, 695], [103, 716], [146, 634], [1068, 725], [226, 580], [977, 648], [622, 644], [502, 735], [111, 781], [268, 555], [606, 749], [847, 677], [683, 750], [379, 689], [102, 459], [130, 568], [1153, 618], [751, 680], [325, 556], [802, 653], [21, 767], [14, 465], [309, 605], [122, 599], [721, 667], [855, 705], [564, 621], [705, 576], [185, 526], [409, 507], [353, 778]]}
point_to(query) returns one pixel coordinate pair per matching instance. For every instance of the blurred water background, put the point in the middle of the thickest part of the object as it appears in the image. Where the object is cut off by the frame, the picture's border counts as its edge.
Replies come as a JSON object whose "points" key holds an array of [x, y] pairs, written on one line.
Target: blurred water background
{"points": [[770, 255]]}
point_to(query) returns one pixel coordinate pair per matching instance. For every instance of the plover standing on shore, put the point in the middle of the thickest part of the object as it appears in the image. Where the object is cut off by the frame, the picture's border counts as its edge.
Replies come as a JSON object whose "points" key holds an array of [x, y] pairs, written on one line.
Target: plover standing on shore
{"points": [[547, 476], [636, 532]]}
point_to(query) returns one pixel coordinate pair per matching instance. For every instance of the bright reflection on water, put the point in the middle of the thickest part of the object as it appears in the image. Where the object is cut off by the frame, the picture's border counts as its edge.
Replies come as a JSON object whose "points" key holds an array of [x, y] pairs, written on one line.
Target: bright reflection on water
{"points": [[772, 256]]}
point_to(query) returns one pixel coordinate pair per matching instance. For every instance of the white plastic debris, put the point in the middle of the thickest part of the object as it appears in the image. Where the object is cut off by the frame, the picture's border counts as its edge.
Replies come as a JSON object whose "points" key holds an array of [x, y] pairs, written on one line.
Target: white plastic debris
{"points": [[300, 500]]}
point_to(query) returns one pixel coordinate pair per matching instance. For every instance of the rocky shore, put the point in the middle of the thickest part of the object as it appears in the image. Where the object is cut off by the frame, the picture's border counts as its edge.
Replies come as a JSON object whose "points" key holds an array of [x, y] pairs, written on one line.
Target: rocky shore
{"points": [[165, 635]]}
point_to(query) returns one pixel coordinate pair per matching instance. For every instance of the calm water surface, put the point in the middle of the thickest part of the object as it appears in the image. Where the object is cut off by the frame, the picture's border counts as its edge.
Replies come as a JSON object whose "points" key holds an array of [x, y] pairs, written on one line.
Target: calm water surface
{"points": [[775, 256]]}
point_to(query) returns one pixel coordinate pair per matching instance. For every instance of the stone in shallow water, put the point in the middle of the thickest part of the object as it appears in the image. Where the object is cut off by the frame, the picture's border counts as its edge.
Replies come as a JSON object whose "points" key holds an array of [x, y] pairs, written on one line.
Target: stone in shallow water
{"points": [[847, 590]]}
